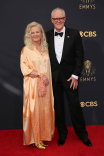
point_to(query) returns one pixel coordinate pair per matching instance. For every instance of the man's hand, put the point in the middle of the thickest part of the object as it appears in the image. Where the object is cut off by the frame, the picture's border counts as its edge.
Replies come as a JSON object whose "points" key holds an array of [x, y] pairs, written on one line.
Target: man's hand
{"points": [[74, 82]]}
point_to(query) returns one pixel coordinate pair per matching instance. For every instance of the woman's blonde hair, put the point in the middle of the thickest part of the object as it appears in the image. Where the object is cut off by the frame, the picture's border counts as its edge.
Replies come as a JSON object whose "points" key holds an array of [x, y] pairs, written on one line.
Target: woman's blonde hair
{"points": [[27, 37]]}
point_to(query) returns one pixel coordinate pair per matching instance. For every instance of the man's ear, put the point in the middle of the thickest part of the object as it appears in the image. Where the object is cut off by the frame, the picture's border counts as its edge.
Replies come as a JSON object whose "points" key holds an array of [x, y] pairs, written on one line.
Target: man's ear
{"points": [[51, 20]]}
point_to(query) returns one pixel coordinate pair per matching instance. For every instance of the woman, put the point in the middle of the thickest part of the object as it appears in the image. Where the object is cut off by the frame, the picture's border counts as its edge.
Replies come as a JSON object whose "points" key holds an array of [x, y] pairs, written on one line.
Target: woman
{"points": [[38, 111]]}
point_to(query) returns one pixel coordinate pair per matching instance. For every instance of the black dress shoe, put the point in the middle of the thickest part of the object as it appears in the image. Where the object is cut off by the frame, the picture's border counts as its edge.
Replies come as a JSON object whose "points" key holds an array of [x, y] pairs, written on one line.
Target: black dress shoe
{"points": [[61, 142], [87, 142]]}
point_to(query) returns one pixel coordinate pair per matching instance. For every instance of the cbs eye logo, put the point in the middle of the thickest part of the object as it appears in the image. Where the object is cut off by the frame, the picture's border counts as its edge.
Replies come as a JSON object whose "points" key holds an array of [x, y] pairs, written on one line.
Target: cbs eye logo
{"points": [[89, 104], [88, 34]]}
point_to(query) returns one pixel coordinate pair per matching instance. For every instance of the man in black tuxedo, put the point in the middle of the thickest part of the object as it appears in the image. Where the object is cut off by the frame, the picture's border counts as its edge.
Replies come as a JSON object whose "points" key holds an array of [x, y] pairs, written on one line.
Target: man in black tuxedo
{"points": [[66, 57]]}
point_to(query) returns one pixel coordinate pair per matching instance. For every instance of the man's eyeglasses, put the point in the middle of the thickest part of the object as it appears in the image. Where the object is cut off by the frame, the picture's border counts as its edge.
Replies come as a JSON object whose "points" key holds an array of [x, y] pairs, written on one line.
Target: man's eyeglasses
{"points": [[58, 19]]}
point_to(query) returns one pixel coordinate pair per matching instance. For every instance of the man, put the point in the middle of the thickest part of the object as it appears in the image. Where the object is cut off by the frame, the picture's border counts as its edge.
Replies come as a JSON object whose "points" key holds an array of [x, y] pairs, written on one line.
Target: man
{"points": [[66, 56]]}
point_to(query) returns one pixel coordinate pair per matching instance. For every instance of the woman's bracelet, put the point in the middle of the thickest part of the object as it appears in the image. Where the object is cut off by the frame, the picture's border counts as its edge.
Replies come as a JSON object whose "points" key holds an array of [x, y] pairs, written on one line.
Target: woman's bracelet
{"points": [[38, 74]]}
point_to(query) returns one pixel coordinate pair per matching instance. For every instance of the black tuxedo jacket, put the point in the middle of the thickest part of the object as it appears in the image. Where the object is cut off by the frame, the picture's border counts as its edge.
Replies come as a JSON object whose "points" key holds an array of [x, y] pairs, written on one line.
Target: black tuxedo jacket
{"points": [[72, 55]]}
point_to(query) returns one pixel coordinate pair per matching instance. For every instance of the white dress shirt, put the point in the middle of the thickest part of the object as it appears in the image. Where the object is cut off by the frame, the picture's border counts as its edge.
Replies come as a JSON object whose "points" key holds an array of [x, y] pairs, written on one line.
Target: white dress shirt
{"points": [[58, 44]]}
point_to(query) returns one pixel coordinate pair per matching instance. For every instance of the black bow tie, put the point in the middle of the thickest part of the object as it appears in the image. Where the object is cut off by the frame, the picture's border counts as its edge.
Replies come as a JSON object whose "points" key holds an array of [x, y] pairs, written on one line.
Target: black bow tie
{"points": [[56, 33]]}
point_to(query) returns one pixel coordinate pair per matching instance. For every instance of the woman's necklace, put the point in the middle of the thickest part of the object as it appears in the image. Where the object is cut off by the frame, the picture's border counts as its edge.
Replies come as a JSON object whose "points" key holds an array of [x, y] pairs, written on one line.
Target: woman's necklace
{"points": [[39, 50]]}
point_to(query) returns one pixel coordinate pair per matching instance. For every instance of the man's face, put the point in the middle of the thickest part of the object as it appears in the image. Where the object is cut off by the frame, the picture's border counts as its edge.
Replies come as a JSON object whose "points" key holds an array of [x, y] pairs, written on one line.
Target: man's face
{"points": [[58, 20]]}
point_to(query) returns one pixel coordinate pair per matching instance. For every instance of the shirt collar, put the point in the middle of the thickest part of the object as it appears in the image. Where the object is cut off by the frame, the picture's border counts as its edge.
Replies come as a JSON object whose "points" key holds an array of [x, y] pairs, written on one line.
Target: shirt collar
{"points": [[63, 30]]}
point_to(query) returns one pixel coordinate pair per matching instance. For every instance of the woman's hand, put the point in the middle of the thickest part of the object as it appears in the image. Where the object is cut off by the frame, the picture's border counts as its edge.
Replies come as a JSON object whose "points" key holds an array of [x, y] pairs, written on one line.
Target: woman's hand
{"points": [[35, 74], [45, 79]]}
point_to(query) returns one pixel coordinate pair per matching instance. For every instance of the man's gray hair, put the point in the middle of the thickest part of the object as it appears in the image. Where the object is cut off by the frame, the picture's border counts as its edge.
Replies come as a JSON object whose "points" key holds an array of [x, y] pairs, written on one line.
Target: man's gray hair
{"points": [[57, 9]]}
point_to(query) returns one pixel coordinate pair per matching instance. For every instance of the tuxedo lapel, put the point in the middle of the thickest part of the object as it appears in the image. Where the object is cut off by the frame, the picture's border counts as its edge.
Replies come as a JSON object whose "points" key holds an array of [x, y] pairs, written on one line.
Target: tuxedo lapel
{"points": [[67, 42], [52, 48]]}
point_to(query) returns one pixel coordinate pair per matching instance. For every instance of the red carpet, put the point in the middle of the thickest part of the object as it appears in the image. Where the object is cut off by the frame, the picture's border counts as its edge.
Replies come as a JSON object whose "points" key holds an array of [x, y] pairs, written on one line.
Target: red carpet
{"points": [[11, 144]]}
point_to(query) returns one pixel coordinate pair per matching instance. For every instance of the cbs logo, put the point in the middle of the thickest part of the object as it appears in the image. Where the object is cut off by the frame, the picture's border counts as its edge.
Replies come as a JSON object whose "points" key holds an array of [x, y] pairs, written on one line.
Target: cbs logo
{"points": [[88, 34], [89, 104]]}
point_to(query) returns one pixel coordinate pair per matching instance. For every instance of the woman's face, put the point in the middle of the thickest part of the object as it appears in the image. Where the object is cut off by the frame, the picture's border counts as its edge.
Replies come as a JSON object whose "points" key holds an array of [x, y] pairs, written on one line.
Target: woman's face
{"points": [[36, 34]]}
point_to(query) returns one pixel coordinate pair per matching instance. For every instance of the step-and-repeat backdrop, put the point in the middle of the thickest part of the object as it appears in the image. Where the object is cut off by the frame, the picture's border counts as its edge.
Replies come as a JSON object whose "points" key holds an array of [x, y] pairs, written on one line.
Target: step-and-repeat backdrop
{"points": [[85, 15]]}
